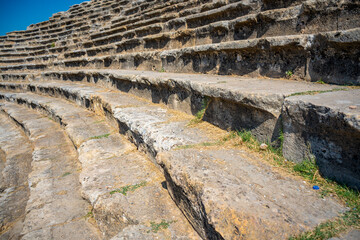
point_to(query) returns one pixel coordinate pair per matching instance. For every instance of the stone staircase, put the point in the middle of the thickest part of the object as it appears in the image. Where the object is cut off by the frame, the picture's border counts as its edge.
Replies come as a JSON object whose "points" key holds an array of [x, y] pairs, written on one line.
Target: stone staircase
{"points": [[101, 100]]}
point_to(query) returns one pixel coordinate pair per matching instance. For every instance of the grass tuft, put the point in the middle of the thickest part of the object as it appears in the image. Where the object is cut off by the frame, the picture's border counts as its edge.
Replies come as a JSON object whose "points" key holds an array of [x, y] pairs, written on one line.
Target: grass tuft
{"points": [[129, 188], [289, 73], [307, 169], [320, 81], [200, 114], [89, 215], [101, 136], [66, 174], [316, 92], [155, 227]]}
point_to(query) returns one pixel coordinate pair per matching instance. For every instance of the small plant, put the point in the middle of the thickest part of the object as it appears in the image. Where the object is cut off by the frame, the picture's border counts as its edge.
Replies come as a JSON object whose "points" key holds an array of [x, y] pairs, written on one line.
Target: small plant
{"points": [[289, 73], [89, 215], [246, 136], [320, 81], [100, 121], [307, 168], [200, 114], [155, 227], [101, 136], [66, 174], [162, 70], [316, 92], [52, 45], [128, 188]]}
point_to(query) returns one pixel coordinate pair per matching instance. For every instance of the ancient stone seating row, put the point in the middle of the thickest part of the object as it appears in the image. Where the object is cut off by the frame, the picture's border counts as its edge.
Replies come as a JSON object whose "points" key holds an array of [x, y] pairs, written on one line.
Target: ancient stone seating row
{"points": [[243, 103], [204, 183], [205, 35], [49, 43], [57, 25], [53, 40], [79, 97], [48, 193], [112, 154], [307, 56], [16, 158]]}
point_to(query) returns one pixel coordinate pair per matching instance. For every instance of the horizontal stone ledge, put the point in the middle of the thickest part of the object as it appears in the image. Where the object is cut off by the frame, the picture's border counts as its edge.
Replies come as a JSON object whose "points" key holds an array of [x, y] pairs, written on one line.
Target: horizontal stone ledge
{"points": [[207, 187], [326, 126], [230, 98]]}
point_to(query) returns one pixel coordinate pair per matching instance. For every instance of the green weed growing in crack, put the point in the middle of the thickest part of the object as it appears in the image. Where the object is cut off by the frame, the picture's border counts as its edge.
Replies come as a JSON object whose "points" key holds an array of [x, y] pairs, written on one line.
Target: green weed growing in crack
{"points": [[200, 114], [278, 148], [66, 174], [129, 188], [289, 73], [155, 227], [307, 168], [52, 45], [100, 121], [320, 81], [89, 215], [101, 136]]}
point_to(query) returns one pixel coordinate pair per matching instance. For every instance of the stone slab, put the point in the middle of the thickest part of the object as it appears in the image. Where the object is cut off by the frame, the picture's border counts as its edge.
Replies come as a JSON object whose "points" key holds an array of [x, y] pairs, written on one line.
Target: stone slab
{"points": [[227, 193], [109, 162], [325, 125], [54, 199], [15, 165]]}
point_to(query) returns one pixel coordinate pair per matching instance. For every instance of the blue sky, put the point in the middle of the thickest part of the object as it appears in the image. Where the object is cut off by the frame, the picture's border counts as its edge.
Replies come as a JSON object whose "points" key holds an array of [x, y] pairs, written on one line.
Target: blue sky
{"points": [[18, 14]]}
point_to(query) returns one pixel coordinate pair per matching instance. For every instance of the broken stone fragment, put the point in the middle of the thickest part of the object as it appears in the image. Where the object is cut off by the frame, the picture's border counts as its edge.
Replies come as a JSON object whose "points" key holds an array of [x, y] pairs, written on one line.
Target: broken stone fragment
{"points": [[263, 146]]}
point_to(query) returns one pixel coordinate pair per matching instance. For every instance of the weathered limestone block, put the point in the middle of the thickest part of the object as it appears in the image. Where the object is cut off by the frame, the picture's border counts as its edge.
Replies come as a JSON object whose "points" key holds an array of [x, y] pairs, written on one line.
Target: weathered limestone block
{"points": [[226, 195], [326, 125], [15, 165]]}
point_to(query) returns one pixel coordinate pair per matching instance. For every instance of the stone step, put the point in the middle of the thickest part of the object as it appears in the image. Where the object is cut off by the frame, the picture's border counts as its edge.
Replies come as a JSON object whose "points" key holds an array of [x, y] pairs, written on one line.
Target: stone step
{"points": [[55, 208], [298, 55], [47, 24], [125, 23], [326, 125], [38, 59], [151, 120], [269, 23], [225, 193], [273, 21], [250, 103], [258, 105], [108, 163], [45, 41], [15, 166]]}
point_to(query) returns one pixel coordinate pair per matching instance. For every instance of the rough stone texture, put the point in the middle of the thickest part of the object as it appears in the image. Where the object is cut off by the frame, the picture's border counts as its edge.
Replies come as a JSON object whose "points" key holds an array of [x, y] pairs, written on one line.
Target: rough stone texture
{"points": [[224, 193], [15, 165], [233, 102], [255, 104], [144, 123], [228, 195], [109, 163], [352, 235], [54, 207], [326, 126], [313, 40]]}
